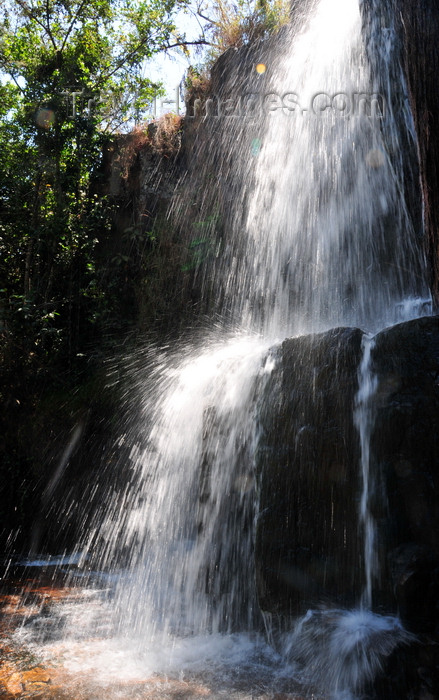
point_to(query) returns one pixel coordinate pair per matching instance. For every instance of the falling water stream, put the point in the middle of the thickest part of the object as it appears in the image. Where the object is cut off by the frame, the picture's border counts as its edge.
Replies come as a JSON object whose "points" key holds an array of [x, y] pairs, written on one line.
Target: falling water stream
{"points": [[325, 239], [364, 419]]}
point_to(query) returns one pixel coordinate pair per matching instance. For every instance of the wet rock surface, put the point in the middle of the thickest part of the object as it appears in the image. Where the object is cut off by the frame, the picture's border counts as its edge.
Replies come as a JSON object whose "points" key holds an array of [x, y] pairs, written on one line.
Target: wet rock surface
{"points": [[405, 463], [405, 460], [307, 545]]}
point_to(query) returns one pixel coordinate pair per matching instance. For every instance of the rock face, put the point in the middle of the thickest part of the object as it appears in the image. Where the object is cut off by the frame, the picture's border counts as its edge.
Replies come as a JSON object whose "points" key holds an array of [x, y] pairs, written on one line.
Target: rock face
{"points": [[405, 457], [418, 27], [413, 29], [307, 546]]}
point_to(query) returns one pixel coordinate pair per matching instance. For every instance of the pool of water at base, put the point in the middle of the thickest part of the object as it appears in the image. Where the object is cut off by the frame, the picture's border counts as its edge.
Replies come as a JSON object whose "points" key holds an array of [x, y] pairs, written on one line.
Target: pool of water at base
{"points": [[58, 641]]}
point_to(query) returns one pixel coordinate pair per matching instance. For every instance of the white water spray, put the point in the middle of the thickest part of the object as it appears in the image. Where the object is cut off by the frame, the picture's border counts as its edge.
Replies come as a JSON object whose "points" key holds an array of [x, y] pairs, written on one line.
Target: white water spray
{"points": [[325, 240], [328, 239]]}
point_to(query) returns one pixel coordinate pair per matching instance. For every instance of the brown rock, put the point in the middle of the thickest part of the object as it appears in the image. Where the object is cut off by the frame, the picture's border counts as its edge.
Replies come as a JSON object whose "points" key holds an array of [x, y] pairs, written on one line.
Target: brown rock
{"points": [[36, 675], [13, 684]]}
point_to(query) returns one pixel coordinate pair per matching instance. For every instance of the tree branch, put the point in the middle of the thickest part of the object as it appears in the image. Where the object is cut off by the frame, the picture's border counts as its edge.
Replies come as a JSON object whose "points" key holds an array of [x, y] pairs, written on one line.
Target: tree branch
{"points": [[70, 29], [165, 47], [199, 42], [28, 11], [208, 19], [14, 80]]}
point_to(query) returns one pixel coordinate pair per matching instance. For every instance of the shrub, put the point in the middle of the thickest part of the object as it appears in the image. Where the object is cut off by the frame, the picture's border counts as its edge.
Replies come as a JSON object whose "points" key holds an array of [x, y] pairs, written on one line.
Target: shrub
{"points": [[165, 134], [237, 24], [162, 136]]}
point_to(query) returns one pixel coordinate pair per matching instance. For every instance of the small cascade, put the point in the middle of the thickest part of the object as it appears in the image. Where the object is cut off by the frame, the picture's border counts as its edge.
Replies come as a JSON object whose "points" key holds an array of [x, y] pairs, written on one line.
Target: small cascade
{"points": [[189, 536], [341, 651], [364, 417]]}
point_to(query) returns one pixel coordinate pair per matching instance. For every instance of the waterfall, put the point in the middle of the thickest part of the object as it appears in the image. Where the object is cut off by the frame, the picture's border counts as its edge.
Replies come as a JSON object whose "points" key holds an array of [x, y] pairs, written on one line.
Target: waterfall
{"points": [[312, 181], [320, 236], [364, 421], [316, 234], [190, 537]]}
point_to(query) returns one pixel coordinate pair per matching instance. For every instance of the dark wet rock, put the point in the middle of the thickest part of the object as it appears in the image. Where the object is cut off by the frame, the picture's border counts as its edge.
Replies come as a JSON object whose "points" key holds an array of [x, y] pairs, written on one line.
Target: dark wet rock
{"points": [[412, 671], [415, 578], [307, 548], [405, 460]]}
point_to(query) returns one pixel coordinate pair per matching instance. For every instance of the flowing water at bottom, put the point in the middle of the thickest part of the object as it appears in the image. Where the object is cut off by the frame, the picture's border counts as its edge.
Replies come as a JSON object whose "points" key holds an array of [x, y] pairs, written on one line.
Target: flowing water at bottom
{"points": [[328, 654], [180, 618]]}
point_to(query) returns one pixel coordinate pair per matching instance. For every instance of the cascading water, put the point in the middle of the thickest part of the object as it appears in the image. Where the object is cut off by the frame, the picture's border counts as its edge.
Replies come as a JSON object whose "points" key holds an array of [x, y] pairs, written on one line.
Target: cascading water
{"points": [[315, 210], [318, 235], [316, 250], [363, 420], [190, 538]]}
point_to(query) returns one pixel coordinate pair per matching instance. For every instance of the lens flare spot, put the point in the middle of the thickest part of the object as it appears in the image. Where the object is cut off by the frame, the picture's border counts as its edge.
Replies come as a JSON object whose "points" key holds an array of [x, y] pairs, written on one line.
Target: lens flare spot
{"points": [[261, 68], [45, 118], [256, 146]]}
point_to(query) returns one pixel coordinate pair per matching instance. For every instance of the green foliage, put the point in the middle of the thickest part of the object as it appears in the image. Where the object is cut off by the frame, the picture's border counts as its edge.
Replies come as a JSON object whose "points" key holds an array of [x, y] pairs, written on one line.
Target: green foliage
{"points": [[72, 73], [97, 48]]}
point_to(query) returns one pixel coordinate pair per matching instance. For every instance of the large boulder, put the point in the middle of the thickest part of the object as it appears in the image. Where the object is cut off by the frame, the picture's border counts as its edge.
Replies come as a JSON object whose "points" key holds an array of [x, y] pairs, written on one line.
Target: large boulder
{"points": [[405, 459], [307, 545]]}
